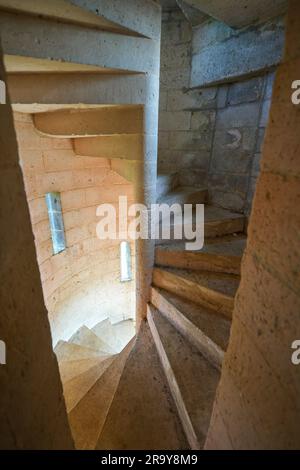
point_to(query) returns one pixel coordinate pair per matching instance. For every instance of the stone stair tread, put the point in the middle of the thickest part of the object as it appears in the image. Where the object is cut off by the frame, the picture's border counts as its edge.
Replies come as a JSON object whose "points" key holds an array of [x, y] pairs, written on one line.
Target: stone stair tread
{"points": [[217, 222], [70, 351], [221, 256], [184, 194], [125, 331], [223, 283], [87, 338], [101, 327], [69, 369], [79, 385], [214, 214], [215, 326], [196, 378], [104, 330], [228, 245], [142, 414], [213, 290], [88, 416], [117, 335]]}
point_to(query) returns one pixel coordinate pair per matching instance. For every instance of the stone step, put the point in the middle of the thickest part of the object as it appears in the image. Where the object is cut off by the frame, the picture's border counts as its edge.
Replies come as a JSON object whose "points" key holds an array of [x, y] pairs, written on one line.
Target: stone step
{"points": [[69, 369], [113, 146], [87, 338], [124, 331], [55, 46], [142, 414], [221, 254], [192, 379], [165, 183], [88, 416], [80, 14], [217, 223], [66, 351], [117, 335], [104, 330], [185, 195], [211, 290], [203, 328], [105, 127], [79, 385]]}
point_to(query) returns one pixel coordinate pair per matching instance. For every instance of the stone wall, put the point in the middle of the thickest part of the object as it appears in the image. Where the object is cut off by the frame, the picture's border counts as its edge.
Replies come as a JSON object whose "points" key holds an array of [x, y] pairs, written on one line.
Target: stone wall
{"points": [[81, 285], [223, 54], [257, 403], [32, 408], [211, 136], [53, 43]]}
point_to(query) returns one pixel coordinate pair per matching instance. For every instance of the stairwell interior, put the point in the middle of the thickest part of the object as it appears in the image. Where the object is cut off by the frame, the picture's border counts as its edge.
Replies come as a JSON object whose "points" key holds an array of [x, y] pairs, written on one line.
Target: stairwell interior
{"points": [[148, 100]]}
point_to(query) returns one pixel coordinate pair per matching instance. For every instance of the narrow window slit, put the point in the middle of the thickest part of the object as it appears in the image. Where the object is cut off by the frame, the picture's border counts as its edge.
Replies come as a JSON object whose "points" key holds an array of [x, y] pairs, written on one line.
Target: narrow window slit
{"points": [[56, 222], [125, 262]]}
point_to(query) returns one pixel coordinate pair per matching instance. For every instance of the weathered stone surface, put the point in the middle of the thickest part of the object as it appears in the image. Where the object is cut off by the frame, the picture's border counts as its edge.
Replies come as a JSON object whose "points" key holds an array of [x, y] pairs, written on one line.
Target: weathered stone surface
{"points": [[260, 140], [277, 197], [258, 396], [242, 53], [163, 140], [246, 91], [195, 178], [163, 97], [73, 88], [180, 360], [192, 99], [33, 413], [244, 115], [211, 290], [168, 160], [175, 29], [269, 85], [260, 387], [193, 15], [203, 121], [174, 79], [136, 406], [270, 329], [42, 39], [129, 17], [209, 33], [232, 201], [179, 121], [190, 140], [265, 113], [232, 150], [240, 13], [255, 168], [250, 194], [176, 57], [222, 96], [228, 183], [194, 160], [281, 146], [293, 34], [226, 117]]}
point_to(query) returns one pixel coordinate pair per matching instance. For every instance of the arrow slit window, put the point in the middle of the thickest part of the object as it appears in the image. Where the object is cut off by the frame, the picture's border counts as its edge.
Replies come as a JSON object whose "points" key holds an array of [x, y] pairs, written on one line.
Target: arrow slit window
{"points": [[125, 262], [56, 222]]}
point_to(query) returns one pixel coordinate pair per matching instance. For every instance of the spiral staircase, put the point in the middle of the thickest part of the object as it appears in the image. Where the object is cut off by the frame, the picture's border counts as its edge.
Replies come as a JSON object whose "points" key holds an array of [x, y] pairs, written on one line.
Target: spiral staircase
{"points": [[156, 390]]}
